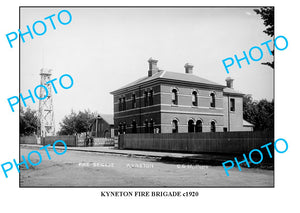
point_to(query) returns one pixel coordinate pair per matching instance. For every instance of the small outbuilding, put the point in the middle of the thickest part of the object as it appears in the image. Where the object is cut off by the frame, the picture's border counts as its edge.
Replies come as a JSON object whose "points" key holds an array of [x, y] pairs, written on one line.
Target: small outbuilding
{"points": [[102, 126], [248, 126]]}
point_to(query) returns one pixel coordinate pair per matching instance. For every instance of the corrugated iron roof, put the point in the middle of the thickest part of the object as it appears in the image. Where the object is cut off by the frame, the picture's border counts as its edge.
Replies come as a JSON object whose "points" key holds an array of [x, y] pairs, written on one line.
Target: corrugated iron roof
{"points": [[246, 123], [232, 91], [109, 118]]}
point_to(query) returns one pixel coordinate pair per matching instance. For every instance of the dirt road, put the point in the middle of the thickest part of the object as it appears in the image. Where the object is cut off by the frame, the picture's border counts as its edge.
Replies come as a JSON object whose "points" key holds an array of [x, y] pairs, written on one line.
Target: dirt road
{"points": [[86, 169]]}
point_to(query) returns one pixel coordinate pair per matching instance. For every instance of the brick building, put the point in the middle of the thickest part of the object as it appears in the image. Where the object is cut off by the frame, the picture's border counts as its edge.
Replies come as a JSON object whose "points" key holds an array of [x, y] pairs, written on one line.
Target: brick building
{"points": [[166, 102], [102, 126]]}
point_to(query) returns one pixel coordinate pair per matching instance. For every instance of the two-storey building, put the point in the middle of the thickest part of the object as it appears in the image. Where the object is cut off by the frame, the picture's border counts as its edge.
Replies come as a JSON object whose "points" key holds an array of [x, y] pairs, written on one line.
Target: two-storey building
{"points": [[166, 102]]}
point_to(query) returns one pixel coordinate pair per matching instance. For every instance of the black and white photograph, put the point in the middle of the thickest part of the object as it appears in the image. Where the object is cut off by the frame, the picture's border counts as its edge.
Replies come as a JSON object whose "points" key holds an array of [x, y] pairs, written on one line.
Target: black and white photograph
{"points": [[146, 96], [149, 106]]}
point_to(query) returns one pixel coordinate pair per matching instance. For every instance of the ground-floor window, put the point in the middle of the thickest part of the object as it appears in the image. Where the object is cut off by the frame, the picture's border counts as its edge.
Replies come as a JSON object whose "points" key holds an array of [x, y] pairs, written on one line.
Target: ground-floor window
{"points": [[133, 127], [198, 127], [122, 128], [146, 127], [191, 126], [213, 126], [151, 126], [174, 126]]}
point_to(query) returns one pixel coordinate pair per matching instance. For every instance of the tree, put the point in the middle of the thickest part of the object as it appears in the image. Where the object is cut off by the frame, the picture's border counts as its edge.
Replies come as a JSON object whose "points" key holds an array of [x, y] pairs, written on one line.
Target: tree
{"points": [[76, 123], [267, 15], [261, 113], [29, 122]]}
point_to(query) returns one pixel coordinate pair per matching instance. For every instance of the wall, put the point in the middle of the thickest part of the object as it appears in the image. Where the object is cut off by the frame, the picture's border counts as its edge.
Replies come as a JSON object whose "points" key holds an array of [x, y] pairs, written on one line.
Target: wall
{"points": [[235, 117], [217, 142], [100, 128], [140, 113], [163, 112], [104, 142]]}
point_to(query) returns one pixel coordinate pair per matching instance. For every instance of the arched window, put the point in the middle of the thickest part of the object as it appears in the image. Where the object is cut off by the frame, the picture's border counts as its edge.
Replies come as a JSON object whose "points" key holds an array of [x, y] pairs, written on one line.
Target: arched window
{"points": [[151, 97], [191, 126], [174, 126], [133, 101], [151, 126], [133, 127], [194, 99], [146, 126], [213, 99], [106, 134], [174, 97], [213, 126], [199, 126]]}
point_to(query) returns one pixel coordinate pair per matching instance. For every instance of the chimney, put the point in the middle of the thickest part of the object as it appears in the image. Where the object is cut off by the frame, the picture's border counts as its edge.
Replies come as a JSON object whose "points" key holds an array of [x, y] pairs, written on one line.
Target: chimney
{"points": [[152, 67], [188, 68], [229, 82]]}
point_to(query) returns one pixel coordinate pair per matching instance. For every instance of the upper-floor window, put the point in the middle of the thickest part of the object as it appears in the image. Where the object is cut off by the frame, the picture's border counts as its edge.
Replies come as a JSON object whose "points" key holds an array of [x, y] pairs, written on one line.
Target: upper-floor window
{"points": [[124, 103], [232, 104], [146, 126], [146, 98], [194, 99], [151, 97], [120, 104], [213, 99], [133, 101], [174, 97]]}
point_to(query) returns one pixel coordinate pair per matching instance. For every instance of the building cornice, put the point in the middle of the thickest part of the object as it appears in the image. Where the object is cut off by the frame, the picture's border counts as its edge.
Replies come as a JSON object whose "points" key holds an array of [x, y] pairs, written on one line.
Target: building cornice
{"points": [[168, 82]]}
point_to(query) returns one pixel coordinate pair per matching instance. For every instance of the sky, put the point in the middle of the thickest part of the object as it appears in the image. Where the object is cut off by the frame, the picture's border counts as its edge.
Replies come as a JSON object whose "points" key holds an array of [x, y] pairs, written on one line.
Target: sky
{"points": [[104, 49]]}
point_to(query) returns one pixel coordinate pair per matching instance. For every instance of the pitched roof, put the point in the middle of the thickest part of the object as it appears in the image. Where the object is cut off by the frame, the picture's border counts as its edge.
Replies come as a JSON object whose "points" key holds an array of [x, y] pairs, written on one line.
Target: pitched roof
{"points": [[232, 91], [167, 75], [187, 77], [246, 123], [109, 118]]}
